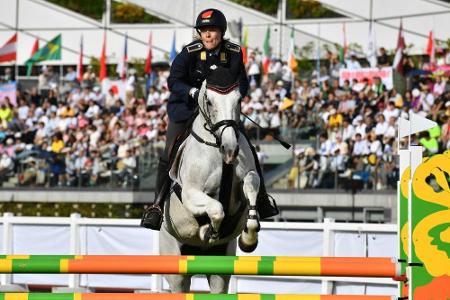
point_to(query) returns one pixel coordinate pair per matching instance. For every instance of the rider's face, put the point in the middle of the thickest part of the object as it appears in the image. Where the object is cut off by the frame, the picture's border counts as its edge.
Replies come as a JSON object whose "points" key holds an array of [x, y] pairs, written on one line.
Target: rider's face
{"points": [[211, 36]]}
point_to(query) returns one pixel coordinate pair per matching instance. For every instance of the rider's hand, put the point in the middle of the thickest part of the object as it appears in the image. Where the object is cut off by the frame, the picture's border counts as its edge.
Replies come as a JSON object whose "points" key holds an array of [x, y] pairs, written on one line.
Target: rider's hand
{"points": [[193, 94]]}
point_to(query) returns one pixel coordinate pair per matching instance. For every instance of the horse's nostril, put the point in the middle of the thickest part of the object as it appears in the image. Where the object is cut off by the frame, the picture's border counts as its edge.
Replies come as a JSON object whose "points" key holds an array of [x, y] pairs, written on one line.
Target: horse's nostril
{"points": [[222, 148]]}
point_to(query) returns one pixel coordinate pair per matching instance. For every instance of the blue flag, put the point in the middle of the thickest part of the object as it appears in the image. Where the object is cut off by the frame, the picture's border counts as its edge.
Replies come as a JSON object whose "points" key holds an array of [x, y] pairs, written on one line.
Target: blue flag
{"points": [[173, 50]]}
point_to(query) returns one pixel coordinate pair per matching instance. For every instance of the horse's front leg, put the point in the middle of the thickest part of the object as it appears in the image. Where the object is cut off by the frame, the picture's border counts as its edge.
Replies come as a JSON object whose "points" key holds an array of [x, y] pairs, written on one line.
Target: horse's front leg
{"points": [[249, 237], [200, 204]]}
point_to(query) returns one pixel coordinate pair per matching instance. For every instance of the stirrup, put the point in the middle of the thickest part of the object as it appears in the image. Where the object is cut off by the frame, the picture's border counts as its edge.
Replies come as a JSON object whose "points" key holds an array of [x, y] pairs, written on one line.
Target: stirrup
{"points": [[152, 218]]}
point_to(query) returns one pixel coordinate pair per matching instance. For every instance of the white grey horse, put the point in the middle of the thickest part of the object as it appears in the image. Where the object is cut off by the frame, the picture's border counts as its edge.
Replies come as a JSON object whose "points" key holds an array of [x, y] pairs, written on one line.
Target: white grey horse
{"points": [[195, 225]]}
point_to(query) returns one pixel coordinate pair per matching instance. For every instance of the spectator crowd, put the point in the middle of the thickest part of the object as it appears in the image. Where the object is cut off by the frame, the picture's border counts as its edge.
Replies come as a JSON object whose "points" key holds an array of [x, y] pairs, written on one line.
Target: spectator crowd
{"points": [[70, 133]]}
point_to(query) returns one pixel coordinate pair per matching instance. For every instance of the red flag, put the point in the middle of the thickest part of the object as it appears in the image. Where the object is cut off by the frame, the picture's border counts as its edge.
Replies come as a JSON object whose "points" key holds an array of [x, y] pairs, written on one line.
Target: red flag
{"points": [[397, 63], [8, 50], [103, 74], [35, 47], [148, 61], [430, 48], [80, 62]]}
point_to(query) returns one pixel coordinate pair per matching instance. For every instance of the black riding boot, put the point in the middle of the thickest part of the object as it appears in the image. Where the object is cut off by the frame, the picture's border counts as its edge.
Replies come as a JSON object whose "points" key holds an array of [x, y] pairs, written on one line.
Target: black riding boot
{"points": [[265, 204], [153, 216]]}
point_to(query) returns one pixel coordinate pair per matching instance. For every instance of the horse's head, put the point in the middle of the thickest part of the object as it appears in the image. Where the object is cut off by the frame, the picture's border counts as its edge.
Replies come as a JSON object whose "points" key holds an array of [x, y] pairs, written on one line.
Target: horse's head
{"points": [[220, 107]]}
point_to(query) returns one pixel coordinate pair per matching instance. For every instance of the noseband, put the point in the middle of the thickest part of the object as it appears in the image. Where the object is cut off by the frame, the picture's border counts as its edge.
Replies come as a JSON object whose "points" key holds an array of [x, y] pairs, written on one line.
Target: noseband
{"points": [[211, 127]]}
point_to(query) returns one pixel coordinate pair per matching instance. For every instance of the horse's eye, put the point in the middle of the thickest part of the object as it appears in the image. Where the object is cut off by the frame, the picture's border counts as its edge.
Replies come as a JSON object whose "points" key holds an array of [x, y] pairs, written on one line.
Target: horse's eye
{"points": [[208, 102]]}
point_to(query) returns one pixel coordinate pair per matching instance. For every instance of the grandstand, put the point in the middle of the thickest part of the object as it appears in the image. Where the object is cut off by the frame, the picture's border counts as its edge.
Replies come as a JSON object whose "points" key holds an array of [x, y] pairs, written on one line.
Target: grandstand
{"points": [[321, 117]]}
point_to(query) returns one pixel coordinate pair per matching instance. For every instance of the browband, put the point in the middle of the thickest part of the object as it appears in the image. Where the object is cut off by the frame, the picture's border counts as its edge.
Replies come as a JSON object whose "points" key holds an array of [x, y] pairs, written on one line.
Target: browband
{"points": [[222, 90]]}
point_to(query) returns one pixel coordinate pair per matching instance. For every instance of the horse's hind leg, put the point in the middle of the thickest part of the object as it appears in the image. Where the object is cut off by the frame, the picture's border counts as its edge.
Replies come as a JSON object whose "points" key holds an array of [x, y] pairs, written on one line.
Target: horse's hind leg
{"points": [[168, 245], [219, 284], [249, 237], [179, 283]]}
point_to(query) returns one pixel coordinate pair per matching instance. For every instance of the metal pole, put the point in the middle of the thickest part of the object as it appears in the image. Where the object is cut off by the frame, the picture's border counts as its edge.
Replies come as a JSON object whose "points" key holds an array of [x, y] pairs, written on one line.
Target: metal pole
{"points": [[194, 17], [318, 54], [107, 20], [16, 66], [280, 28]]}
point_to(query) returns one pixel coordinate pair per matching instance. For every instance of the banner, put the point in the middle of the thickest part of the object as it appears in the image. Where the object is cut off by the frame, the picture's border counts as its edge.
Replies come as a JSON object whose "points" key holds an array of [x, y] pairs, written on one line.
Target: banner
{"points": [[384, 73], [8, 90]]}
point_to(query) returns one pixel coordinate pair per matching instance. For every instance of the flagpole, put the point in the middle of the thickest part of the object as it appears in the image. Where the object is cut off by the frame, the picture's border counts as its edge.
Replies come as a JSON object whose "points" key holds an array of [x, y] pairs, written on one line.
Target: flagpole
{"points": [[318, 54], [16, 66]]}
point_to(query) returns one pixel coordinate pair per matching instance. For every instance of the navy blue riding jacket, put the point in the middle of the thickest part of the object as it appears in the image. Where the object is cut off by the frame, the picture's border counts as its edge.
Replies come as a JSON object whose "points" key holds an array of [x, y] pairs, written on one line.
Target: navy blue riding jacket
{"points": [[191, 66]]}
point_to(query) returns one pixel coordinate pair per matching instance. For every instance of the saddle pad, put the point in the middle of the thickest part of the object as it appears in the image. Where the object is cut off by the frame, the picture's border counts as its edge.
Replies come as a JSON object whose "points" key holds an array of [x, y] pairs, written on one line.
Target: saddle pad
{"points": [[175, 166]]}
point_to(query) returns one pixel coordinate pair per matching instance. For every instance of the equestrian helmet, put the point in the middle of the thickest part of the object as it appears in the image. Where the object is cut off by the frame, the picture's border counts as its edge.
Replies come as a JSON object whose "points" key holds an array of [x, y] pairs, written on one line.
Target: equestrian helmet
{"points": [[211, 17]]}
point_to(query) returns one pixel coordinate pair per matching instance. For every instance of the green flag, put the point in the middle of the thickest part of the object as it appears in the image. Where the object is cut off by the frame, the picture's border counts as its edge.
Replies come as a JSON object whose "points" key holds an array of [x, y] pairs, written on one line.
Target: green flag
{"points": [[51, 51], [267, 54]]}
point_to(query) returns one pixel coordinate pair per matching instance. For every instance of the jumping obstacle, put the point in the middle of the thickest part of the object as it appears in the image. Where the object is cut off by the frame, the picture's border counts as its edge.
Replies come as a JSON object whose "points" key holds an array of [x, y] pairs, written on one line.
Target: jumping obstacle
{"points": [[130, 296], [208, 265]]}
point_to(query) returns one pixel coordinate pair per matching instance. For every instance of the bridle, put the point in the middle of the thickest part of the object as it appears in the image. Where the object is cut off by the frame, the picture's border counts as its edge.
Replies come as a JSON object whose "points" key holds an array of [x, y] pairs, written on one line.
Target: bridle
{"points": [[211, 127]]}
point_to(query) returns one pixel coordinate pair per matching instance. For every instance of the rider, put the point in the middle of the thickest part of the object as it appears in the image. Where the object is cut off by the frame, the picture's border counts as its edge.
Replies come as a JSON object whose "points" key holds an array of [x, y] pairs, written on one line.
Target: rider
{"points": [[189, 69]]}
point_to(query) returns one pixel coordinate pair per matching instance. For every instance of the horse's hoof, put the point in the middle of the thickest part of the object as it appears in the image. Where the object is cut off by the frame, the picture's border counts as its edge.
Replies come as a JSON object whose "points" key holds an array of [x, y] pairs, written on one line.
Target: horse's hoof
{"points": [[207, 234], [247, 248]]}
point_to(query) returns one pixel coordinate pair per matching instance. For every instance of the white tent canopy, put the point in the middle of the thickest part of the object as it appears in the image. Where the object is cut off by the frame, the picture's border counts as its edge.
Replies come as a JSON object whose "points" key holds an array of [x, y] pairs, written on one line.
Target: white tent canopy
{"points": [[39, 18]]}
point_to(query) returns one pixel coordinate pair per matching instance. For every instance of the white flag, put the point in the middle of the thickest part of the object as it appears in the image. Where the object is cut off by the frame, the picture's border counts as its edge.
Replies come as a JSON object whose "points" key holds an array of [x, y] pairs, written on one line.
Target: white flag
{"points": [[418, 124], [372, 47]]}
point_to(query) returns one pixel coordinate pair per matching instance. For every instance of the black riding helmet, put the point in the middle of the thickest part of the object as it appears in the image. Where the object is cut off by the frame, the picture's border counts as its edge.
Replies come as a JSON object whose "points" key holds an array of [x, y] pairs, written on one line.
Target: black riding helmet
{"points": [[211, 17]]}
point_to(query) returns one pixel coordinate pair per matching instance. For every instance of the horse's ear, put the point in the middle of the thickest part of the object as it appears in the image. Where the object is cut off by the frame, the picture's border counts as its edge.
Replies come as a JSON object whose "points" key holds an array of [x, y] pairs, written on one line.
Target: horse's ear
{"points": [[202, 91]]}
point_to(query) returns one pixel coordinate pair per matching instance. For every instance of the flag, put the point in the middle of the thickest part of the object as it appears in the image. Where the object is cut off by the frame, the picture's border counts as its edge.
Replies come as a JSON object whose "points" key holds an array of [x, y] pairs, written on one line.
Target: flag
{"points": [[51, 51], [8, 51], [148, 61], [173, 50], [292, 61], [122, 64], [344, 47], [244, 46], [430, 48], [102, 75], [266, 48], [416, 124], [35, 47], [80, 62], [397, 63], [372, 47]]}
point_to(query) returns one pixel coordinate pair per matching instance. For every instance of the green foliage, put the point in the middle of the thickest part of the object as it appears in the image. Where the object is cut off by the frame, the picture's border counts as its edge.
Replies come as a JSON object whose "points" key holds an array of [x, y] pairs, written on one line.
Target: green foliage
{"points": [[91, 8], [129, 13], [266, 6], [355, 47], [110, 68], [120, 12], [307, 50], [308, 9], [296, 9]]}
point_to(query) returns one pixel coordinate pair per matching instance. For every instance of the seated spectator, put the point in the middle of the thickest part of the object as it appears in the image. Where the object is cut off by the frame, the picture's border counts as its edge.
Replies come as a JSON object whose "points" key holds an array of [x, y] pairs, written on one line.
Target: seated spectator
{"points": [[6, 167]]}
